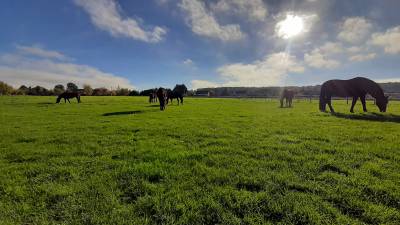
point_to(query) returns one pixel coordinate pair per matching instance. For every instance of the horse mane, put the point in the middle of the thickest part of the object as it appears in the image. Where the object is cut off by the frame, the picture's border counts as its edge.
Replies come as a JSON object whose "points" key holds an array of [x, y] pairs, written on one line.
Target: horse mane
{"points": [[375, 90]]}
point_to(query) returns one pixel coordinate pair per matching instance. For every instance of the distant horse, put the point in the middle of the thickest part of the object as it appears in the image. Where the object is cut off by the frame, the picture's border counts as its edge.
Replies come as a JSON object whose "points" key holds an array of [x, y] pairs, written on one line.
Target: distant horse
{"points": [[178, 92], [153, 96], [288, 96], [357, 87], [162, 97], [67, 95]]}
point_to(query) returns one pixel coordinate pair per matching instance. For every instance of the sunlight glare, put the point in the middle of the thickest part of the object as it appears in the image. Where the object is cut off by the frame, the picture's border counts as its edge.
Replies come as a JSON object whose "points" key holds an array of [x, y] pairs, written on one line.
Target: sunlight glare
{"points": [[290, 27]]}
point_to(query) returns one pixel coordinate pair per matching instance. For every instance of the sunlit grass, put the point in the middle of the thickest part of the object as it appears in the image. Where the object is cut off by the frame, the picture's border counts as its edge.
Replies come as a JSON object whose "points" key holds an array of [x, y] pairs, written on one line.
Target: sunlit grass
{"points": [[119, 160]]}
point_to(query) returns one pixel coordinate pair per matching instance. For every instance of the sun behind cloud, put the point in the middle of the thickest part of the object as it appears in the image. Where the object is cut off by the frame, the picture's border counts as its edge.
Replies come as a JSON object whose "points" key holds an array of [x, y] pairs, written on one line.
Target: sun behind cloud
{"points": [[290, 27]]}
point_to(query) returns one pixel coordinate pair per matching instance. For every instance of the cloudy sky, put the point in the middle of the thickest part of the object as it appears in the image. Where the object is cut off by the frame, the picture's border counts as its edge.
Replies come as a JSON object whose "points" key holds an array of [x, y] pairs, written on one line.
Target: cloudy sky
{"points": [[202, 43]]}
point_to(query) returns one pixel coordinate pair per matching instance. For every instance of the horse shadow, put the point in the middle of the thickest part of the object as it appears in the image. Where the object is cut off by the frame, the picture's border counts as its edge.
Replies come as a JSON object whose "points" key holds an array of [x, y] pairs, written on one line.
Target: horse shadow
{"points": [[123, 113], [370, 117]]}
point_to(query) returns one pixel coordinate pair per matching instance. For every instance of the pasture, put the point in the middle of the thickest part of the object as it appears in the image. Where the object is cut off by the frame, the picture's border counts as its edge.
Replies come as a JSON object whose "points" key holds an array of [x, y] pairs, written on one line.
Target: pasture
{"points": [[119, 160]]}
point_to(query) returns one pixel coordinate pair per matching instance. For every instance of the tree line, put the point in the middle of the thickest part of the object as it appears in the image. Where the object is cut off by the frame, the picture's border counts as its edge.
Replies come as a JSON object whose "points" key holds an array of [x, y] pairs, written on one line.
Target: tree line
{"points": [[87, 90], [392, 88]]}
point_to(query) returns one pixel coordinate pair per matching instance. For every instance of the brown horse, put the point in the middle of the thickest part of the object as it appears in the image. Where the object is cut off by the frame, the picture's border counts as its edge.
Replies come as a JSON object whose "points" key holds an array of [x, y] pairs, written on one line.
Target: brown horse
{"points": [[357, 87], [67, 95], [288, 95], [162, 97]]}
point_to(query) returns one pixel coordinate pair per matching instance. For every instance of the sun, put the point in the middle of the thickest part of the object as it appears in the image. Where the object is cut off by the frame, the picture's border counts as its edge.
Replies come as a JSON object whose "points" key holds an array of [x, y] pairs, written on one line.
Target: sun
{"points": [[290, 27]]}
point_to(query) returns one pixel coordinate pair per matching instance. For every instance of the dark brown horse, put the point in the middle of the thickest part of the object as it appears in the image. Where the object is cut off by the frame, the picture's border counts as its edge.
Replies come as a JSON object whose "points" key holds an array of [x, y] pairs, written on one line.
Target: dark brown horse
{"points": [[162, 97], [288, 95], [178, 92], [67, 95], [356, 88]]}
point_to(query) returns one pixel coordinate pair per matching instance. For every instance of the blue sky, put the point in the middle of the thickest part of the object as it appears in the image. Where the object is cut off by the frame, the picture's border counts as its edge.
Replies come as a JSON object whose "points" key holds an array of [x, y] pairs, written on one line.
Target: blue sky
{"points": [[152, 43]]}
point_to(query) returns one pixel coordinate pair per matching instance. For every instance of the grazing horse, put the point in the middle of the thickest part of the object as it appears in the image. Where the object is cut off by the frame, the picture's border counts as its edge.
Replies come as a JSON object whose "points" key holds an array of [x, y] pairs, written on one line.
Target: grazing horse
{"points": [[178, 92], [357, 87], [153, 96], [67, 95], [288, 96], [162, 97]]}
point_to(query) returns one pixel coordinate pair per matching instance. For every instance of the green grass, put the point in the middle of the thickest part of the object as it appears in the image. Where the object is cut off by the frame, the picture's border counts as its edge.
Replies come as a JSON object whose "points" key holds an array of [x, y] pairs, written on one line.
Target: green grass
{"points": [[119, 160]]}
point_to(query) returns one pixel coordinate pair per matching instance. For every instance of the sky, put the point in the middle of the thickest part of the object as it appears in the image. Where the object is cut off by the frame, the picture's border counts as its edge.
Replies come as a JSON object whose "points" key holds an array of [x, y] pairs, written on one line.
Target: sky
{"points": [[152, 43]]}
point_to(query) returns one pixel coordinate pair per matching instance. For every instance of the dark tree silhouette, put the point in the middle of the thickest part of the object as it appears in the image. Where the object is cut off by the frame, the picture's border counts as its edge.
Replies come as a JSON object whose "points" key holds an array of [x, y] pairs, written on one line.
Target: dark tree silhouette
{"points": [[71, 87], [58, 89]]}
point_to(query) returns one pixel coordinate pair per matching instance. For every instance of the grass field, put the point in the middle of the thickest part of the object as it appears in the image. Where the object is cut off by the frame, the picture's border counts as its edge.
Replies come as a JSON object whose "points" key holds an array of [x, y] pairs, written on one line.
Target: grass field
{"points": [[119, 160]]}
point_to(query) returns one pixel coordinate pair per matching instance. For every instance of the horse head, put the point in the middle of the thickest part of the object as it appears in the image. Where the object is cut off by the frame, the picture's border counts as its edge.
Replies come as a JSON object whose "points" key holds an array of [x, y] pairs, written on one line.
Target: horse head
{"points": [[382, 103], [58, 99]]}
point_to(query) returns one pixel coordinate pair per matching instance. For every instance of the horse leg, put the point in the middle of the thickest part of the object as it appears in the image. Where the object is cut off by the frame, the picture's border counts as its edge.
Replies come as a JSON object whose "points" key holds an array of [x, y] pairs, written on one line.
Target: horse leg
{"points": [[182, 100], [362, 98], [353, 104], [329, 101], [281, 102], [68, 100]]}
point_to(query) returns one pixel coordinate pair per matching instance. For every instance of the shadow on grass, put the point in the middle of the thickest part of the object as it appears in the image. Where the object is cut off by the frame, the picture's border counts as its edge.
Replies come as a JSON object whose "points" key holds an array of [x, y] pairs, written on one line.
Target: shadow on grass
{"points": [[370, 117], [153, 106], [123, 113], [47, 103]]}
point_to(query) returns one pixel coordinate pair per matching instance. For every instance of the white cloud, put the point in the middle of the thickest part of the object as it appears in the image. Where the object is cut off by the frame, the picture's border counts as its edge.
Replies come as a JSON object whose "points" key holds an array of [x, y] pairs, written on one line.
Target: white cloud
{"points": [[355, 30], [322, 57], [106, 15], [188, 62], [389, 40], [40, 52], [272, 70], [19, 70], [362, 57], [253, 10], [196, 84], [205, 24], [331, 48], [317, 59]]}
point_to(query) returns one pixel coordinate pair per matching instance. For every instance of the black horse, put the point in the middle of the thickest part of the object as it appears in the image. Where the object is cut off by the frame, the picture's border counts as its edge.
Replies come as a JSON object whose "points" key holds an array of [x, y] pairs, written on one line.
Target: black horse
{"points": [[288, 95], [357, 87], [67, 95], [178, 92], [162, 97]]}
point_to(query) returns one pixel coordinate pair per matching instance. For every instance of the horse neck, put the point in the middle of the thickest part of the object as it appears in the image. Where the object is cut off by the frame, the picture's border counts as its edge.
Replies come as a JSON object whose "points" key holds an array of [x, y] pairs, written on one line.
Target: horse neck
{"points": [[376, 91]]}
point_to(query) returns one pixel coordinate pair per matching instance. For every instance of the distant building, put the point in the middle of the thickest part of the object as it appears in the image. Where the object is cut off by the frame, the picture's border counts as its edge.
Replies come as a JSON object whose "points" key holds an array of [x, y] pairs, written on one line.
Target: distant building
{"points": [[202, 93]]}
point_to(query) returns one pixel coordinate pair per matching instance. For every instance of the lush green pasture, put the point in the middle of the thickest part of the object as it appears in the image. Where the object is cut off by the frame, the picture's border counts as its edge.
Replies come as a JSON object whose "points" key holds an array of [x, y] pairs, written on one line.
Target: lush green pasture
{"points": [[119, 160]]}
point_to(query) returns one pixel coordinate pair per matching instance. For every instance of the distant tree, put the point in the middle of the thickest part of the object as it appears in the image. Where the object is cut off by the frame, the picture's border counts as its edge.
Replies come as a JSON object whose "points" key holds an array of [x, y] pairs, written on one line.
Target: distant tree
{"points": [[23, 90], [87, 90], [133, 93], [71, 87], [113, 93], [122, 92], [58, 89], [190, 93], [101, 91], [38, 90], [5, 89]]}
